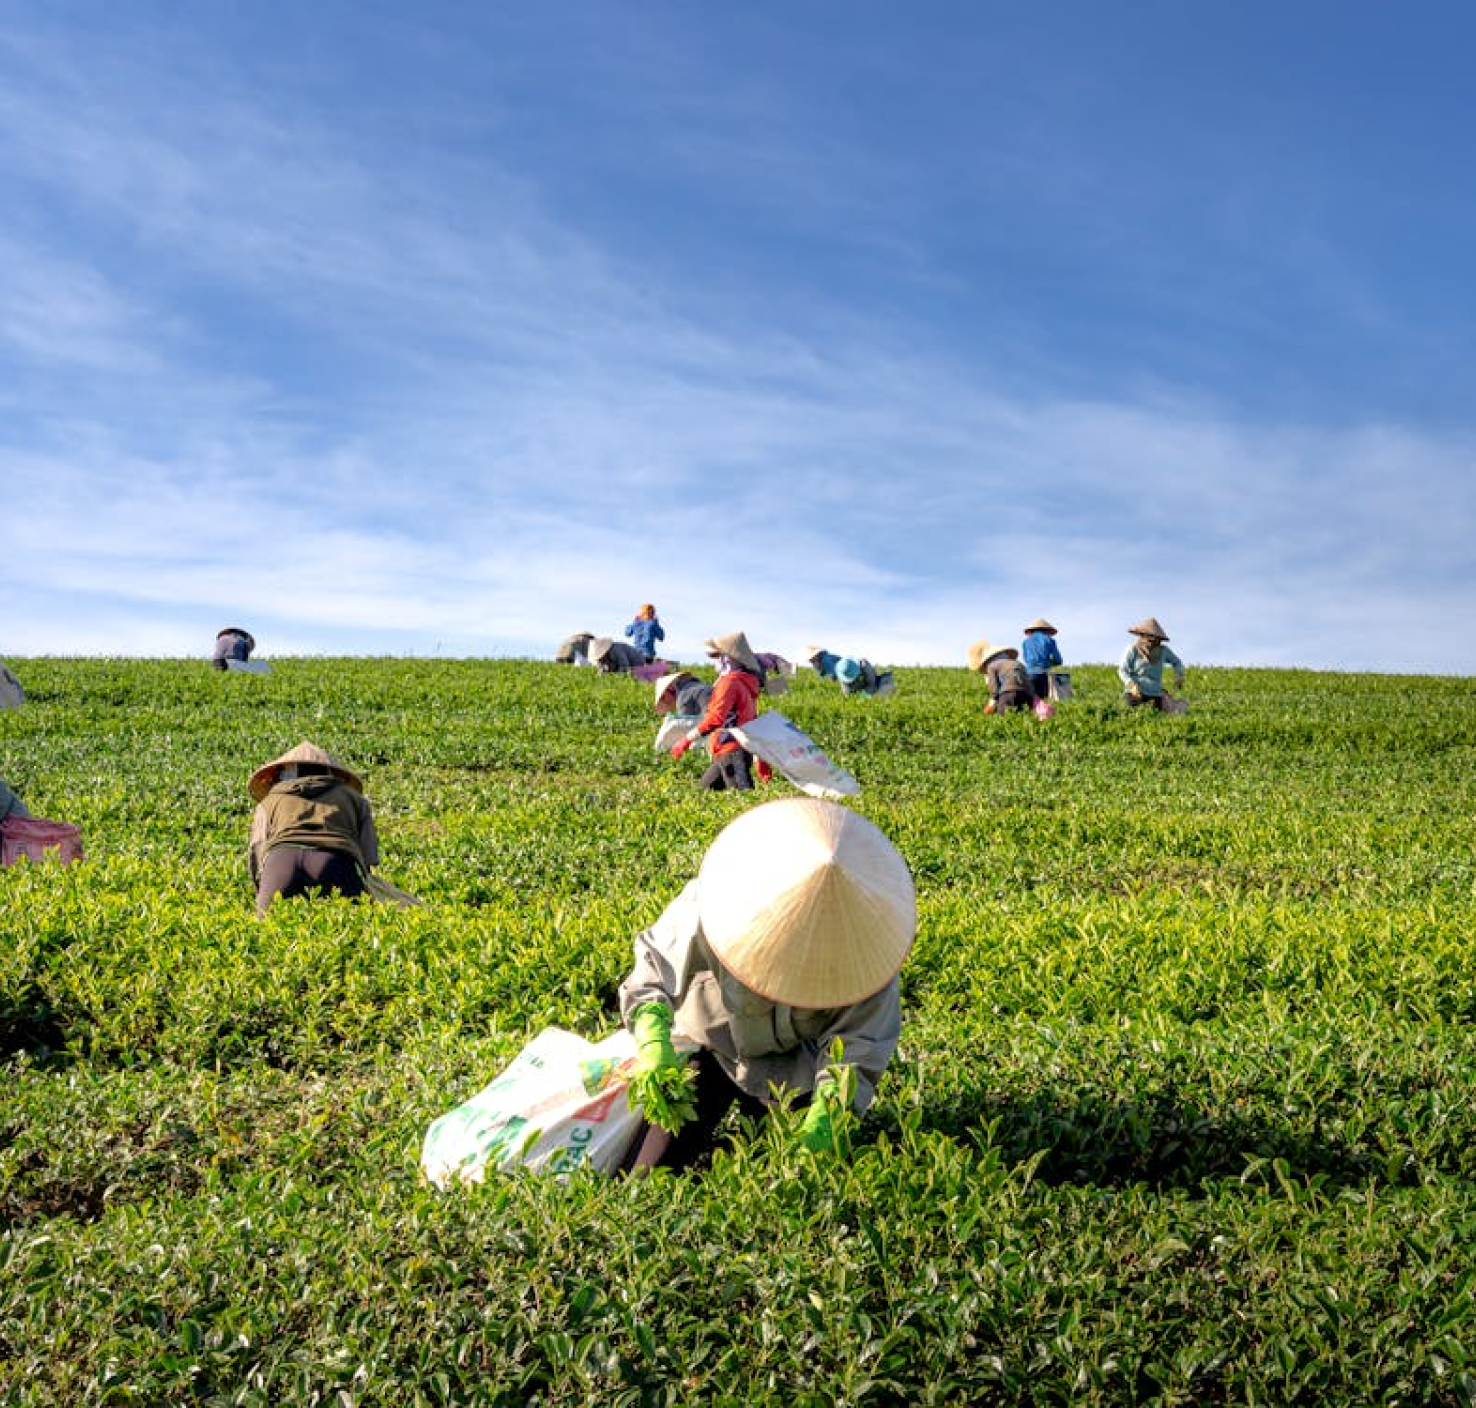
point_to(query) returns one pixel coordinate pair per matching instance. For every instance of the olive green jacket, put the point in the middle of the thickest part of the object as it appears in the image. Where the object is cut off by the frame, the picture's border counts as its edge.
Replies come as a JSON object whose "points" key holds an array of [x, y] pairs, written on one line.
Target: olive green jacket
{"points": [[317, 813]]}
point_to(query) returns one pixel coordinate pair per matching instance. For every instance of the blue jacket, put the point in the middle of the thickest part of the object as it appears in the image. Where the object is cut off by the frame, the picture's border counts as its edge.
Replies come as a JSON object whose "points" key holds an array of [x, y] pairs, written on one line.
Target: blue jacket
{"points": [[645, 633], [1039, 652]]}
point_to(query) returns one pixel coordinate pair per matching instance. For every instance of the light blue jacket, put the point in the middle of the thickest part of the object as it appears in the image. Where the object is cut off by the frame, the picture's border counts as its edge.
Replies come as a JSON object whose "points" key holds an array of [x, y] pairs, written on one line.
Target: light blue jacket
{"points": [[10, 804], [1147, 672]]}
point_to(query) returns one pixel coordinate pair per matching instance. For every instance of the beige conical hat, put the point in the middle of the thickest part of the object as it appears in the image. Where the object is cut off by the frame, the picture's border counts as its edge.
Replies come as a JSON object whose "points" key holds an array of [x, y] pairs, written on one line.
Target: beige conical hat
{"points": [[736, 647], [980, 653], [667, 682], [599, 647], [305, 752], [1039, 624], [1148, 626], [806, 903]]}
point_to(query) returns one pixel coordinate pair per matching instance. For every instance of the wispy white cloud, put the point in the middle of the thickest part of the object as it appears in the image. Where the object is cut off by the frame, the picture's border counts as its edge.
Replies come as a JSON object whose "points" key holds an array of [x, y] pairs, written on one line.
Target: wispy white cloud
{"points": [[389, 397]]}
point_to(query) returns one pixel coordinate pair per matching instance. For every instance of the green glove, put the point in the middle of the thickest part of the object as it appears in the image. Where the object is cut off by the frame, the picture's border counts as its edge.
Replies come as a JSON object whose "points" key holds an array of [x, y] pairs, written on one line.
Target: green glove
{"points": [[662, 1084], [823, 1130], [651, 1027]]}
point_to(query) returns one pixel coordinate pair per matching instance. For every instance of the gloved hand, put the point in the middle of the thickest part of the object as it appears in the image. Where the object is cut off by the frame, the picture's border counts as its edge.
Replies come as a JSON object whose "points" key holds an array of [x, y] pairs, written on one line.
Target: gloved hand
{"points": [[823, 1129], [680, 747], [662, 1084], [650, 1025]]}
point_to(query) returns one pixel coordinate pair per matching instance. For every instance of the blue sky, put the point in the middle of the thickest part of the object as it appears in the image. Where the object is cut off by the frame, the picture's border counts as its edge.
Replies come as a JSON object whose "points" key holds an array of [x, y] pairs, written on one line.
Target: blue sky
{"points": [[452, 328]]}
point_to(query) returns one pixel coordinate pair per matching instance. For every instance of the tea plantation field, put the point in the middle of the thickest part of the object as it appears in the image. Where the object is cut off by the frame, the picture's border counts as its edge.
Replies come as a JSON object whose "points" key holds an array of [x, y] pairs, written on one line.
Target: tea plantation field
{"points": [[1184, 1112]]}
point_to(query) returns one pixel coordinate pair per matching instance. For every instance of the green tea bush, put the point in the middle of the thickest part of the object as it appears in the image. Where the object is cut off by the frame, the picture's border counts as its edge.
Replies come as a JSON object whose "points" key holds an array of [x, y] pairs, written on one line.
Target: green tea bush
{"points": [[1181, 1113]]}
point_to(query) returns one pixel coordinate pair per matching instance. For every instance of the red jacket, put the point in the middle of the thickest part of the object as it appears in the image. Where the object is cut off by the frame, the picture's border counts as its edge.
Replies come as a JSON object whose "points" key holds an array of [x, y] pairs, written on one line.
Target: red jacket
{"points": [[733, 703]]}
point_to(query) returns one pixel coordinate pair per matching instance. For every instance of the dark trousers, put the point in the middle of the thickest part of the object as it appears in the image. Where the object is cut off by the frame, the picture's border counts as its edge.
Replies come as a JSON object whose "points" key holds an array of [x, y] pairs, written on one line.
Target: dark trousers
{"points": [[287, 871], [729, 773], [1012, 699], [716, 1095], [1040, 685]]}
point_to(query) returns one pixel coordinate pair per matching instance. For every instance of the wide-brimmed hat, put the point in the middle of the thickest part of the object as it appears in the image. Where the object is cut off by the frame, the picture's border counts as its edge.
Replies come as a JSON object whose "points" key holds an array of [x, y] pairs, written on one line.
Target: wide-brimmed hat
{"points": [[670, 681], [305, 752], [811, 651], [806, 903], [980, 653], [1039, 624], [736, 647], [1149, 626], [599, 647]]}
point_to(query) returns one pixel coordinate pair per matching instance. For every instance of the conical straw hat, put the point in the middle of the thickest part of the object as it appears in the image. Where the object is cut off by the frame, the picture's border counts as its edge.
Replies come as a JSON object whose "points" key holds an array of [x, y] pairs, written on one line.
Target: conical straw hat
{"points": [[1148, 626], [1039, 624], [305, 752], [980, 653], [736, 647], [806, 903], [667, 682]]}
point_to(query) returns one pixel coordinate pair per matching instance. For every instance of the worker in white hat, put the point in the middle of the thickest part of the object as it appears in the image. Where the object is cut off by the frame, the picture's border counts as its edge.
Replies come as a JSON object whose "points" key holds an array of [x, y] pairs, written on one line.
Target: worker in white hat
{"points": [[681, 692], [313, 828], [1142, 665], [788, 941], [614, 657]]}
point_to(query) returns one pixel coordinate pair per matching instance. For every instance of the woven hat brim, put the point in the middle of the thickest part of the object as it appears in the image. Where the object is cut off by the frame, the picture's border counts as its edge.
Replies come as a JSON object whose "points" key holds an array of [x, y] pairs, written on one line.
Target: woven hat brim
{"points": [[735, 645], [263, 779]]}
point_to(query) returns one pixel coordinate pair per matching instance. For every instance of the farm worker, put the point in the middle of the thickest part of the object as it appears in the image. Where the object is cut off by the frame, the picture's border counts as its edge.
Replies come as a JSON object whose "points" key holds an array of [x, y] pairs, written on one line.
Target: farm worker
{"points": [[683, 694], [645, 632], [313, 828], [852, 673], [232, 643], [734, 702], [575, 649], [10, 804], [1009, 684], [12, 696], [614, 657], [788, 941], [1142, 664], [777, 671], [1040, 652]]}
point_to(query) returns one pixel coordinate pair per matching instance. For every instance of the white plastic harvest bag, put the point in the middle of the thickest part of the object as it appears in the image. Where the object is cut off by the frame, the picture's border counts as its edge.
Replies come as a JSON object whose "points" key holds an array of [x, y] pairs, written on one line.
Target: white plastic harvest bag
{"points": [[673, 730], [788, 749], [559, 1105]]}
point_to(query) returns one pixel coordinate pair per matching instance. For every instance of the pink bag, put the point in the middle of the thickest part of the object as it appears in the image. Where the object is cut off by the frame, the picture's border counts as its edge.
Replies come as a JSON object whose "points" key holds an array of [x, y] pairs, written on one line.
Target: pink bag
{"points": [[31, 838], [1044, 709]]}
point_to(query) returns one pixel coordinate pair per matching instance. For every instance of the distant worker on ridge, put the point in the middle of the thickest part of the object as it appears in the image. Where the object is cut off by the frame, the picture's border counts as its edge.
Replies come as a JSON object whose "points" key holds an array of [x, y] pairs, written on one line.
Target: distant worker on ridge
{"points": [[1142, 665]]}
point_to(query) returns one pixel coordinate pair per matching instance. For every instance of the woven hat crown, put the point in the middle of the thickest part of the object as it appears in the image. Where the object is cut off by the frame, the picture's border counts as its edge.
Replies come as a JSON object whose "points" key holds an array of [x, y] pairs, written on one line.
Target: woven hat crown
{"points": [[736, 647], [807, 903]]}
